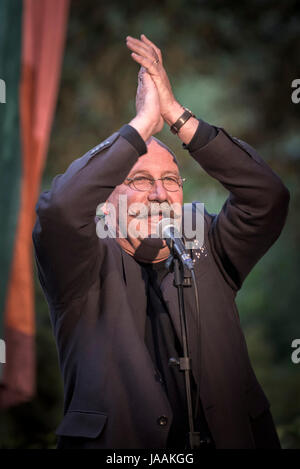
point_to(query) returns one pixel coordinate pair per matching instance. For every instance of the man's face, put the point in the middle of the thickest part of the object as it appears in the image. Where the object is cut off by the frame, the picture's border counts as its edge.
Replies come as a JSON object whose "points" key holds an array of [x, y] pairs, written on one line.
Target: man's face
{"points": [[156, 202]]}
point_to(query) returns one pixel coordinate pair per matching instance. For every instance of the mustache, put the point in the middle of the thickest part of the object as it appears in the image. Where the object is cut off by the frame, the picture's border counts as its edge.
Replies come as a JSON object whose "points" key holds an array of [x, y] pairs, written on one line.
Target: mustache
{"points": [[155, 209]]}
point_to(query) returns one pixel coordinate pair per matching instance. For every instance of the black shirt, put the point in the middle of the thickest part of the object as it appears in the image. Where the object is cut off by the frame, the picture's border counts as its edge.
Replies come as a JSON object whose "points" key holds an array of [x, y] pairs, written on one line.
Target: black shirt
{"points": [[163, 344]]}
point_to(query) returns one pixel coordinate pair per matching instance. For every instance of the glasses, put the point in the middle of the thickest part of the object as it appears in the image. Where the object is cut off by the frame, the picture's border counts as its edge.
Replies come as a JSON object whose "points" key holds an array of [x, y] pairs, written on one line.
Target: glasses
{"points": [[142, 183]]}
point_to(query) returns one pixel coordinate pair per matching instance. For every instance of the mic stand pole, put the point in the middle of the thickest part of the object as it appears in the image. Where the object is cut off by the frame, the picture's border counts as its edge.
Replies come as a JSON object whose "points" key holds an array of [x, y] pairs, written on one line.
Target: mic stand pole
{"points": [[182, 278]]}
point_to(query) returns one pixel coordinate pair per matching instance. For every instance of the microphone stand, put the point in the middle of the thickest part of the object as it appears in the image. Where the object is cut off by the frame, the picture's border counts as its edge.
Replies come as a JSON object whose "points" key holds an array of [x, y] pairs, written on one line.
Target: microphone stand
{"points": [[182, 278]]}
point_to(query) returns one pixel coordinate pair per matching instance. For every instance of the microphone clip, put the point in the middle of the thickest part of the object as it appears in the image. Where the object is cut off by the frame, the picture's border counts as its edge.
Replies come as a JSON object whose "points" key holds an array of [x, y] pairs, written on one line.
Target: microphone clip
{"points": [[185, 273]]}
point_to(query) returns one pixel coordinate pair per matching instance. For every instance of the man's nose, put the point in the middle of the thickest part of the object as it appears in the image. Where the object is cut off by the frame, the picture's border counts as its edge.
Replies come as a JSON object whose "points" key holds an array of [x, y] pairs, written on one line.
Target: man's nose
{"points": [[158, 192]]}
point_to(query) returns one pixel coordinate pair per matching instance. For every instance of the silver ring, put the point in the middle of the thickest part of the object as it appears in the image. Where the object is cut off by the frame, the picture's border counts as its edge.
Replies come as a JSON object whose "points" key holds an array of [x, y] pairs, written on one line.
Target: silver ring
{"points": [[155, 62]]}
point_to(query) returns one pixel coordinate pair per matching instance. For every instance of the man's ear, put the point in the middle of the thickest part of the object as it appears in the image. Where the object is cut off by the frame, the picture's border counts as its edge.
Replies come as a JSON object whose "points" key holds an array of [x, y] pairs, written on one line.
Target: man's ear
{"points": [[102, 209]]}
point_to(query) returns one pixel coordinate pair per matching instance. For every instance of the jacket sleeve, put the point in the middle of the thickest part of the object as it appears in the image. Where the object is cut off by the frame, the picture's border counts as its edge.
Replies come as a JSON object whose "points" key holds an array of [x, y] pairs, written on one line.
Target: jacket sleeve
{"points": [[254, 213], [67, 249]]}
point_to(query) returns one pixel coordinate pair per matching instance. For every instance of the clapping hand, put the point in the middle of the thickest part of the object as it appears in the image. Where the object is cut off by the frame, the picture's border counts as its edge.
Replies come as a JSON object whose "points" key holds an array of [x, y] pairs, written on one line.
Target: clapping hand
{"points": [[149, 56]]}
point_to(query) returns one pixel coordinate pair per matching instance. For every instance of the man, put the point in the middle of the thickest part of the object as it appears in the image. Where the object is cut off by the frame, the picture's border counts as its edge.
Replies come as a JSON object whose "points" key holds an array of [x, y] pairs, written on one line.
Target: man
{"points": [[113, 304]]}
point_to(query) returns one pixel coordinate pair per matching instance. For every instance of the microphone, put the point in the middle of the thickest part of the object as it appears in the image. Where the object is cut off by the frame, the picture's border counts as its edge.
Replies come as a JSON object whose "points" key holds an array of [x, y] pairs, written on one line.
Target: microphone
{"points": [[167, 230]]}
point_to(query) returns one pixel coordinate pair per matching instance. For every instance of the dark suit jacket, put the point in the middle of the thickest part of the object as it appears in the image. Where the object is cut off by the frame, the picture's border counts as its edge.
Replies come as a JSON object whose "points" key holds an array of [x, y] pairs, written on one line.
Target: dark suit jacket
{"points": [[96, 296]]}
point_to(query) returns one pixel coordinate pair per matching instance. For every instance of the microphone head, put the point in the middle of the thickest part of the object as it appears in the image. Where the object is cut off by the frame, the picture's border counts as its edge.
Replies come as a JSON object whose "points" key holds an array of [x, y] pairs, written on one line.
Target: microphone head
{"points": [[168, 228]]}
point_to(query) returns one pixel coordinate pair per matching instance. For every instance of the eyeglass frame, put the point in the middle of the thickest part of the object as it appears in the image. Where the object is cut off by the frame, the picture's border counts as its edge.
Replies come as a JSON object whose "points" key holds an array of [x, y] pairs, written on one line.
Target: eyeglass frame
{"points": [[131, 180]]}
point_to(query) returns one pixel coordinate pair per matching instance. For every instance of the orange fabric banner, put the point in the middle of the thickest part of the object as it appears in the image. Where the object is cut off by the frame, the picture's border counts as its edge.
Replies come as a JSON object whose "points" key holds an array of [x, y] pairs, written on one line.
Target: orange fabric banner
{"points": [[43, 38]]}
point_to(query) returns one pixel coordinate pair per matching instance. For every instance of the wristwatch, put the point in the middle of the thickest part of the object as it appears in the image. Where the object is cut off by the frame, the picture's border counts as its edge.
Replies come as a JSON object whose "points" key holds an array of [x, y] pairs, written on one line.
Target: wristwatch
{"points": [[181, 121]]}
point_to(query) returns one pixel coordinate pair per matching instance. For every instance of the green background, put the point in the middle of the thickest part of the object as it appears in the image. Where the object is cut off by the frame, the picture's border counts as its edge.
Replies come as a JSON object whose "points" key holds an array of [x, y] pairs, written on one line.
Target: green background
{"points": [[233, 64]]}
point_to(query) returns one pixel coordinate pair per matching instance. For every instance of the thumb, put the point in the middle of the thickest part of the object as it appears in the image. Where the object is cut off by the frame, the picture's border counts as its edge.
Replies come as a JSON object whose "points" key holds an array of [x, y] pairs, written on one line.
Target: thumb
{"points": [[140, 74], [144, 77]]}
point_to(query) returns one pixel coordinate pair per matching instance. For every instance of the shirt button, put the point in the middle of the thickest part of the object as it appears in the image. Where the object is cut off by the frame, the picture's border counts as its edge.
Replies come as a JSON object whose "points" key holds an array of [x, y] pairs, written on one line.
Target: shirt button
{"points": [[162, 420]]}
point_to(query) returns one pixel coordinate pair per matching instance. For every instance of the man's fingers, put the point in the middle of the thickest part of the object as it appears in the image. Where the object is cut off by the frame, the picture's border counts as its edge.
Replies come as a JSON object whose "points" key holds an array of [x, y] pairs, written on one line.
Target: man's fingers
{"points": [[140, 48], [144, 47], [144, 62], [151, 44], [148, 64], [133, 43], [142, 52], [140, 60]]}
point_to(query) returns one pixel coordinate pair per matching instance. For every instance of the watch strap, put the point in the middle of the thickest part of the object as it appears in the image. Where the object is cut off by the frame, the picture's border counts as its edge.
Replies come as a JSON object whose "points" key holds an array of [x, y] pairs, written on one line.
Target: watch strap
{"points": [[181, 121]]}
